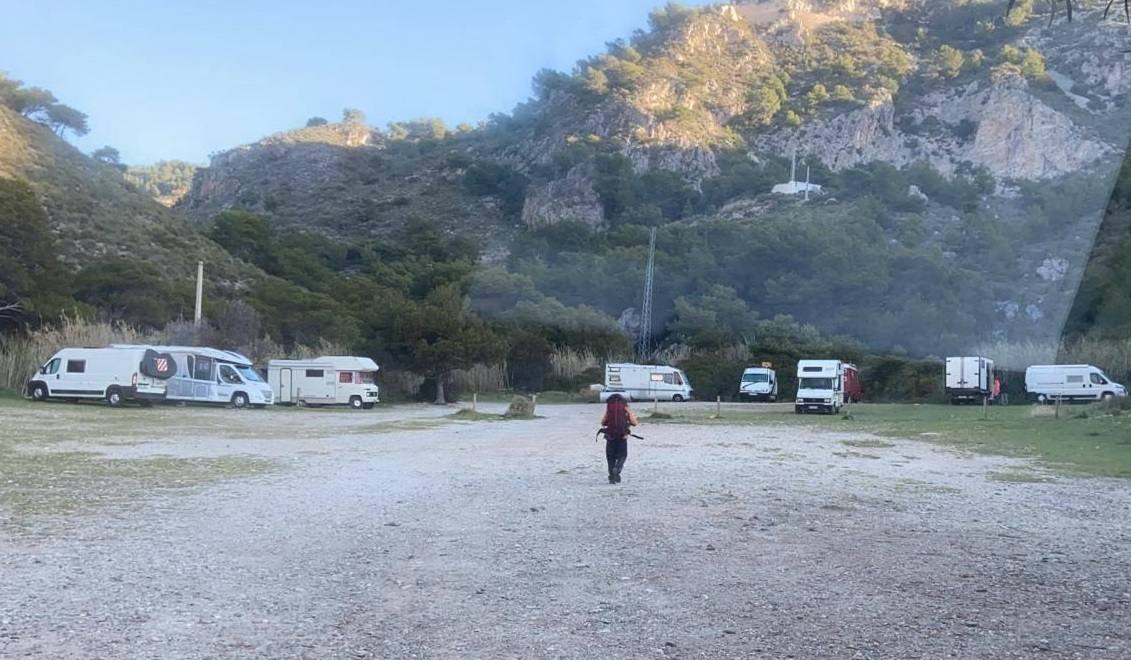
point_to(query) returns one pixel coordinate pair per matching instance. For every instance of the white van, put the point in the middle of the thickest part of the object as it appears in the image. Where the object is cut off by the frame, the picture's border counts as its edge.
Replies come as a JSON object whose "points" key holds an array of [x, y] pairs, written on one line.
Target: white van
{"points": [[208, 375], [326, 381], [969, 379], [116, 375], [1070, 382], [639, 382], [758, 384]]}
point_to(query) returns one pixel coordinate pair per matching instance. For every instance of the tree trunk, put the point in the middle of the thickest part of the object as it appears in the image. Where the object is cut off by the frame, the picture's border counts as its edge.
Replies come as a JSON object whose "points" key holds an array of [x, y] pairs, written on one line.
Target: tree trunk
{"points": [[440, 400]]}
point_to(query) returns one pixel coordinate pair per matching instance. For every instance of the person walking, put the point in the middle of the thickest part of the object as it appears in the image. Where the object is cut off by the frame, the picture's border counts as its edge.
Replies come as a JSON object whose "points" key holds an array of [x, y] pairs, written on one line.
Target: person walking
{"points": [[997, 390], [617, 426]]}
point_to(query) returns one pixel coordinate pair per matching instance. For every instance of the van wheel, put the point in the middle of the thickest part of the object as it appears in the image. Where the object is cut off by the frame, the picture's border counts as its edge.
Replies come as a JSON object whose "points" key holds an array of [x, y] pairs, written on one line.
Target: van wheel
{"points": [[677, 398], [114, 397], [239, 400], [1108, 396], [355, 402], [39, 392]]}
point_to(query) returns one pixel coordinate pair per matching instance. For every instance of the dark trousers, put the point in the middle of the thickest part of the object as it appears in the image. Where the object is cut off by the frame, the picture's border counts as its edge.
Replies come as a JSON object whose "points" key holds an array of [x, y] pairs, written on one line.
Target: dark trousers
{"points": [[616, 451]]}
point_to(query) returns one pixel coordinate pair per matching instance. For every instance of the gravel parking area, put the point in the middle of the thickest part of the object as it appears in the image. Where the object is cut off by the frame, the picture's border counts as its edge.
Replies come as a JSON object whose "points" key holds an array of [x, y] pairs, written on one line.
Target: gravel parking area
{"points": [[402, 534]]}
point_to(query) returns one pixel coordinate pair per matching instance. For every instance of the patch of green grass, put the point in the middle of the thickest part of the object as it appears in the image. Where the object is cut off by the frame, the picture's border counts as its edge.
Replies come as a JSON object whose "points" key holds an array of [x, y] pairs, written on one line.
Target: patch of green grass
{"points": [[1020, 477], [469, 415], [11, 397], [49, 483], [1097, 445], [867, 444]]}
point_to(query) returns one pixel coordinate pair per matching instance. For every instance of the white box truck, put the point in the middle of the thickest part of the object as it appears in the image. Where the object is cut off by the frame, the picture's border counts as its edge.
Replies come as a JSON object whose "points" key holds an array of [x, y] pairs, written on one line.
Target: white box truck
{"points": [[758, 384], [826, 386], [211, 376], [969, 379], [113, 374], [1070, 382], [641, 382], [325, 381]]}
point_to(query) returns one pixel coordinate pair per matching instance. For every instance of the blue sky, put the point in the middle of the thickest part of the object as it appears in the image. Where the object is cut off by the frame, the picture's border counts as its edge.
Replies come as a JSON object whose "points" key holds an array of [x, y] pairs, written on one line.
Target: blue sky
{"points": [[181, 79]]}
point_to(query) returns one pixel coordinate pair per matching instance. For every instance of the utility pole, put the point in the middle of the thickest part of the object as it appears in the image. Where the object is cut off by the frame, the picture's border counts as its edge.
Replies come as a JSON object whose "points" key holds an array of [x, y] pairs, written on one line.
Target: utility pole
{"points": [[199, 292], [644, 342], [807, 172]]}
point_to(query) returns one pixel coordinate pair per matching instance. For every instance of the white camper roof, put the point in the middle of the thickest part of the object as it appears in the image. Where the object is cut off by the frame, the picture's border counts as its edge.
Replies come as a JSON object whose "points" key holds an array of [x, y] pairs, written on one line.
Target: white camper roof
{"points": [[335, 362], [203, 351]]}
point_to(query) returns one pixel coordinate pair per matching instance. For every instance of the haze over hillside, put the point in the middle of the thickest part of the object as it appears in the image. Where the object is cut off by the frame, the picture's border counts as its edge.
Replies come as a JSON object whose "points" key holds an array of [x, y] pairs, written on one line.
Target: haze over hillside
{"points": [[1009, 132]]}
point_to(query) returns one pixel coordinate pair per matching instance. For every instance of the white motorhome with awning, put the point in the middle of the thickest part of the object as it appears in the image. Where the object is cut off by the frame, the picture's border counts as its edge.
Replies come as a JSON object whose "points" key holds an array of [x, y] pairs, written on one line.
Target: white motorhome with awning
{"points": [[643, 382], [208, 375], [325, 381], [114, 374]]}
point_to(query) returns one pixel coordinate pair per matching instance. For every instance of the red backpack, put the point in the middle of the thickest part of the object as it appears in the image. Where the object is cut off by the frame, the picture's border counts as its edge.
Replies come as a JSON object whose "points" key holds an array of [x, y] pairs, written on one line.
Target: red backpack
{"points": [[616, 420]]}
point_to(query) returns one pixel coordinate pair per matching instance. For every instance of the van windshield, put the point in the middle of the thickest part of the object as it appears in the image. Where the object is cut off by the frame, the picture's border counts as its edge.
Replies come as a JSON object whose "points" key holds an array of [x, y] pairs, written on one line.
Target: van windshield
{"points": [[816, 384], [250, 374], [755, 378]]}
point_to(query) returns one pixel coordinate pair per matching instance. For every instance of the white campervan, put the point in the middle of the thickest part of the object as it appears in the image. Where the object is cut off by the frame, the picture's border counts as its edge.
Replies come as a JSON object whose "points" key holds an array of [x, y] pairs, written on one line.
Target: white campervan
{"points": [[208, 375], [1070, 382], [826, 386], [639, 382], [115, 374], [758, 384], [326, 381], [969, 379]]}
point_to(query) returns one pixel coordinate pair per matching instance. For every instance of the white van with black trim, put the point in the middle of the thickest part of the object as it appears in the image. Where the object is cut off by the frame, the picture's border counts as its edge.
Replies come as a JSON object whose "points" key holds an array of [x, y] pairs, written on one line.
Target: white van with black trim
{"points": [[116, 375], [211, 376]]}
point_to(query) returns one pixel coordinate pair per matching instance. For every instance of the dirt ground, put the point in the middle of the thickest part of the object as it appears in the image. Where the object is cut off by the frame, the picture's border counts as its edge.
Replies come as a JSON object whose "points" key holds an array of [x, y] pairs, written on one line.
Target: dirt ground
{"points": [[201, 533]]}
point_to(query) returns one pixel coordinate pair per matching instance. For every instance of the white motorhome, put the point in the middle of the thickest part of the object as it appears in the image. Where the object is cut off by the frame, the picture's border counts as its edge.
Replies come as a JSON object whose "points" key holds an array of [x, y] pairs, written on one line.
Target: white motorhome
{"points": [[1070, 382], [208, 375], [758, 384], [969, 379], [826, 386], [114, 374], [326, 381], [639, 382]]}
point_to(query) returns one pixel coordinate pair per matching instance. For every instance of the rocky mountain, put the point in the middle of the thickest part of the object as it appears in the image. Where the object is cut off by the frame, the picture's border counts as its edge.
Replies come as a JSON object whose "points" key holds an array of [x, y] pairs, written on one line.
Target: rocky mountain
{"points": [[997, 127]]}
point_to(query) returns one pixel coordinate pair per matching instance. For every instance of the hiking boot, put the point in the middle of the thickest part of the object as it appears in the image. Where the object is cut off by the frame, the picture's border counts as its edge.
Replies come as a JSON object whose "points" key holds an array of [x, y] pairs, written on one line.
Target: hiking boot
{"points": [[613, 478], [617, 478]]}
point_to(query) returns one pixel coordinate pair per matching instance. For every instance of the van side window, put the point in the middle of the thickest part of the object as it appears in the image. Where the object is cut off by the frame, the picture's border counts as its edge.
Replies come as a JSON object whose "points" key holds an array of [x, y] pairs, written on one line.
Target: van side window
{"points": [[345, 377], [1097, 379], [315, 373], [202, 369], [76, 366], [52, 367], [669, 379], [1072, 380]]}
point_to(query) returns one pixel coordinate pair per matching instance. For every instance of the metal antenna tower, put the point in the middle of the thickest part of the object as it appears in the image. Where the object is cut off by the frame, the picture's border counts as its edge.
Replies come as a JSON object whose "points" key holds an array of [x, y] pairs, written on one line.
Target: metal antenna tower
{"points": [[644, 342]]}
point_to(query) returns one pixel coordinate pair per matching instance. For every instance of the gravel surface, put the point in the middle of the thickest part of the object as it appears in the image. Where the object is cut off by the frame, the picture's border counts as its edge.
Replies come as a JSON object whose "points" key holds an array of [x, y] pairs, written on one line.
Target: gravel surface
{"points": [[393, 535]]}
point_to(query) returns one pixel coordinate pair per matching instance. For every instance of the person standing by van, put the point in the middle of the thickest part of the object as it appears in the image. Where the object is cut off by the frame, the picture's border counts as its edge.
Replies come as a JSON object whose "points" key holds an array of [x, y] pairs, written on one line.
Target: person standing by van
{"points": [[997, 390], [617, 426]]}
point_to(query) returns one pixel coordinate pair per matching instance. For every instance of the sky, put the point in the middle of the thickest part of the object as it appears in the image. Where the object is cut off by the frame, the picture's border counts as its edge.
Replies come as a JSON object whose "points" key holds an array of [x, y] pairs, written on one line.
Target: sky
{"points": [[178, 79]]}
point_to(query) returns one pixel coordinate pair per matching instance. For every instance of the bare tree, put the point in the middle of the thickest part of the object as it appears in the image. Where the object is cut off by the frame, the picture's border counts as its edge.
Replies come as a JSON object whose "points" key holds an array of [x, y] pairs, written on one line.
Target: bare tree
{"points": [[10, 309], [1069, 7]]}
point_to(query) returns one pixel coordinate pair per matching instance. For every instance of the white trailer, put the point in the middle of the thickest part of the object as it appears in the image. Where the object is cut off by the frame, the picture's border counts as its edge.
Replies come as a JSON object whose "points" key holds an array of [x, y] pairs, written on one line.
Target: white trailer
{"points": [[114, 374], [1070, 382], [969, 379], [211, 376], [758, 384], [326, 381], [640, 382]]}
